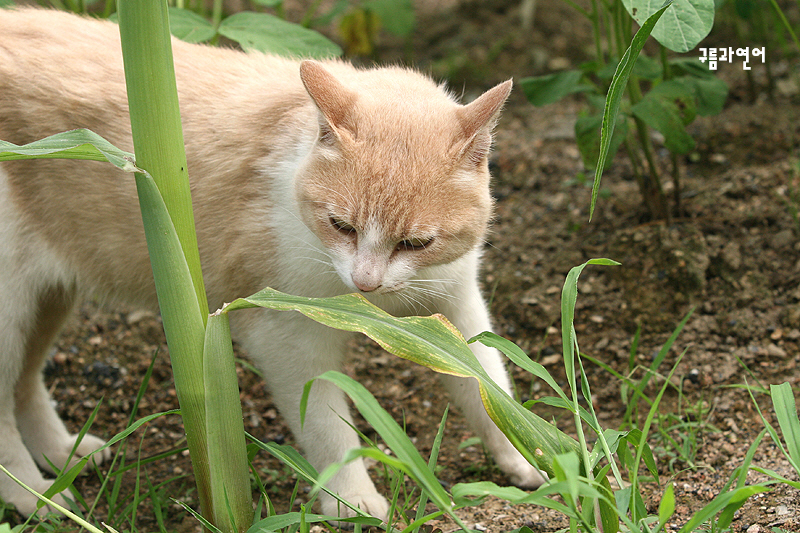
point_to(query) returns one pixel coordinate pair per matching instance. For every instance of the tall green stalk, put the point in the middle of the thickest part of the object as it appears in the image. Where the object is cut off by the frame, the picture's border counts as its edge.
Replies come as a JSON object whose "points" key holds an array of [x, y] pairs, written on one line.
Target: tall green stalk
{"points": [[210, 407], [153, 100]]}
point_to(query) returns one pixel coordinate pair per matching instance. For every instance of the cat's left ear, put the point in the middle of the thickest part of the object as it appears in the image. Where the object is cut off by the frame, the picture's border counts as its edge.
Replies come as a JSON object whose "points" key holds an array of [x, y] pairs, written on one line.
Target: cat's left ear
{"points": [[478, 119], [334, 101]]}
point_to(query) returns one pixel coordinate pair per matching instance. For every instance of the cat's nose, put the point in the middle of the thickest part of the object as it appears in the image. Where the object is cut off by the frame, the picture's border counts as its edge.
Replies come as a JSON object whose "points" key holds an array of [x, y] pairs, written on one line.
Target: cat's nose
{"points": [[365, 286]]}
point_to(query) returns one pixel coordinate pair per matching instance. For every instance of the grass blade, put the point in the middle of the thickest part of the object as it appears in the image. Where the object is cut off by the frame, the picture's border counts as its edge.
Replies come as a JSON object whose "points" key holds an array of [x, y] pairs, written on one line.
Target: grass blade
{"points": [[786, 412]]}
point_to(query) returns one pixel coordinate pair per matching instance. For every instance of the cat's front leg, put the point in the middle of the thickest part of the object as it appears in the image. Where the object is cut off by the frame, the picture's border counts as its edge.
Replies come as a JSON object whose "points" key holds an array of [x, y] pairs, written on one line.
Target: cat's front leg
{"points": [[467, 311], [290, 352]]}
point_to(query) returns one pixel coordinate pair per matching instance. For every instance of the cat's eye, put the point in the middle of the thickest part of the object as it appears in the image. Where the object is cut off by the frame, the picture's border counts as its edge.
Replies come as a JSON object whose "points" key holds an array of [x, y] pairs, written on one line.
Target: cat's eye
{"points": [[414, 243], [341, 226]]}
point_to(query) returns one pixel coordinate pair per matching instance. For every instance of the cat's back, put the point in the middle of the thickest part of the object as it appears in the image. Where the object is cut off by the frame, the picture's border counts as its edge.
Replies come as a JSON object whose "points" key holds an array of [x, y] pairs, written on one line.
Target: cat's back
{"points": [[60, 71]]}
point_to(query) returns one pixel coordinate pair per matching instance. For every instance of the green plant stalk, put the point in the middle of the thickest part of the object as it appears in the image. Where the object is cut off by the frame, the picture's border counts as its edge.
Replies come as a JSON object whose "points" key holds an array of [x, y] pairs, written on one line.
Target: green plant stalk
{"points": [[594, 17], [651, 190], [788, 26], [172, 244], [156, 121]]}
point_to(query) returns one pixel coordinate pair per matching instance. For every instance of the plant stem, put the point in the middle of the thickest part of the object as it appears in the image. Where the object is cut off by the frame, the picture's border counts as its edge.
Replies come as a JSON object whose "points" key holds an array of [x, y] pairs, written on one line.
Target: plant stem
{"points": [[153, 99], [649, 186], [205, 383]]}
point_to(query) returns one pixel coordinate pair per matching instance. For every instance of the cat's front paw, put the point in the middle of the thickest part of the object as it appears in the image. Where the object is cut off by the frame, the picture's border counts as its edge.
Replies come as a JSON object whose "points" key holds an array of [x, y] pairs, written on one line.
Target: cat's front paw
{"points": [[371, 503], [24, 501], [60, 453], [527, 477]]}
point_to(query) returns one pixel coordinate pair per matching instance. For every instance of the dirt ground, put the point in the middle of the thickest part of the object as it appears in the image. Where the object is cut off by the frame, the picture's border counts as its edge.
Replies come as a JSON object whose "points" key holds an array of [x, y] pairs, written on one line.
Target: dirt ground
{"points": [[732, 255]]}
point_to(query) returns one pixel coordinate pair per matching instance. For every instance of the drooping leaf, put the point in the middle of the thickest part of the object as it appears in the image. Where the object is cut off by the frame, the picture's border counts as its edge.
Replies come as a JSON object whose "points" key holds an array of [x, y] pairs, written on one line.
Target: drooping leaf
{"points": [[75, 144], [266, 33], [436, 344]]}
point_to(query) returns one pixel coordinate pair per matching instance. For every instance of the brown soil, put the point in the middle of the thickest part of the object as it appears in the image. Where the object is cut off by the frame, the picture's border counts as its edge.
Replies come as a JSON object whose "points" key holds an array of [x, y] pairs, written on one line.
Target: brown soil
{"points": [[732, 255]]}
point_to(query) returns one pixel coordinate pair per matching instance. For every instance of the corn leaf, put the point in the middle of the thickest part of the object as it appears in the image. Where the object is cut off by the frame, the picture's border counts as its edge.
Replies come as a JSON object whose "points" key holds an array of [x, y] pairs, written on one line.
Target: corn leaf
{"points": [[75, 144], [436, 344]]}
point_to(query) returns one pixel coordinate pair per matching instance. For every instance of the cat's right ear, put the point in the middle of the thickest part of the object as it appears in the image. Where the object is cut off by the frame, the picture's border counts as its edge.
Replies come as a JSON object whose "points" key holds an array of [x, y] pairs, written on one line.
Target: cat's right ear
{"points": [[334, 101]]}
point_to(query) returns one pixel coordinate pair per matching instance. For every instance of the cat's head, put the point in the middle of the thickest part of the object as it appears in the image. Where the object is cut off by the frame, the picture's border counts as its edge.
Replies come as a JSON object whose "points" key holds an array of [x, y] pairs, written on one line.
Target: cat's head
{"points": [[398, 178]]}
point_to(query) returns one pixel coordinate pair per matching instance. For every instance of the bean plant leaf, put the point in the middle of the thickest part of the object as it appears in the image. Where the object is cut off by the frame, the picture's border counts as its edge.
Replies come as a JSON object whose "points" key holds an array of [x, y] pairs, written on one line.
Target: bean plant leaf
{"points": [[188, 26], [266, 33], [668, 108], [432, 342], [710, 93], [680, 30], [544, 90], [75, 144], [615, 92]]}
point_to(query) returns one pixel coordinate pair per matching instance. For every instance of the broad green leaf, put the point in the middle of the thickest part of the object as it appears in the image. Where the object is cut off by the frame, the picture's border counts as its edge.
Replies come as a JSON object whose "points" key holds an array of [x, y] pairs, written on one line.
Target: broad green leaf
{"points": [[587, 135], [396, 16], [786, 413], [434, 343], [614, 98], [75, 144], [268, 3], [668, 108], [267, 33], [682, 28], [709, 93], [543, 90], [188, 26]]}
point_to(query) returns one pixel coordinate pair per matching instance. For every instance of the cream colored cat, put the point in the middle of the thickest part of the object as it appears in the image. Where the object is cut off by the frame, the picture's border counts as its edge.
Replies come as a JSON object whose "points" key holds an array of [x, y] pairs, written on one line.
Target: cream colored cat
{"points": [[313, 178]]}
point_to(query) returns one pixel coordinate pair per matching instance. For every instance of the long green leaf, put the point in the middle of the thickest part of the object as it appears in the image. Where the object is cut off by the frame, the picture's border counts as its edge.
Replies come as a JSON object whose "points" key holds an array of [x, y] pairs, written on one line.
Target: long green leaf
{"points": [[434, 343], [728, 500], [520, 358], [75, 144], [786, 412], [183, 327], [615, 92]]}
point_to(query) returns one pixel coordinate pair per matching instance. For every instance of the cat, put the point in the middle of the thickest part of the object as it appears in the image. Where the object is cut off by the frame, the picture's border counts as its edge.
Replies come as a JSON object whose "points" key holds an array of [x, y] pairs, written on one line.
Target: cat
{"points": [[314, 178]]}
